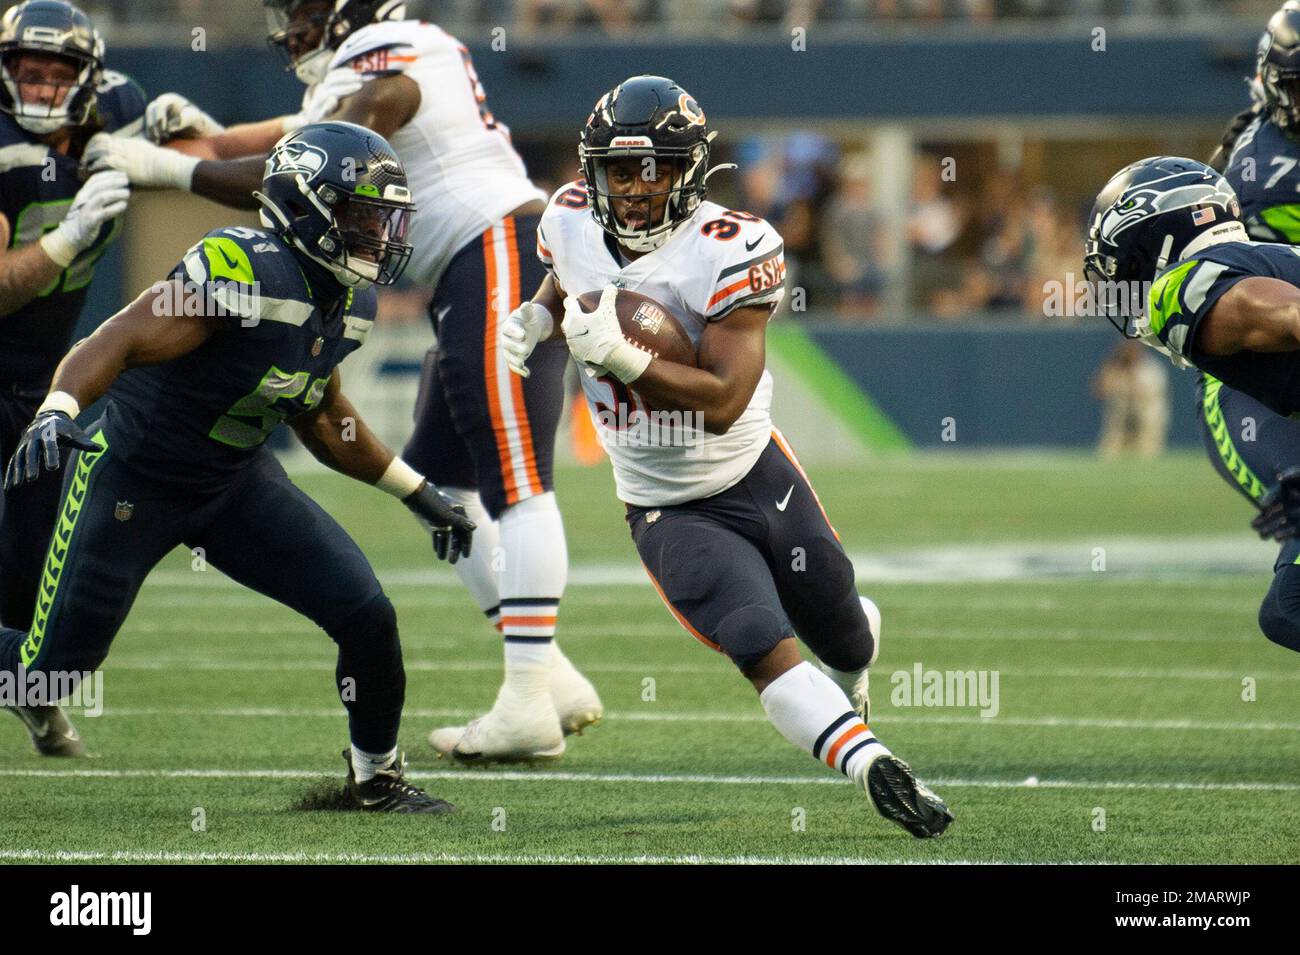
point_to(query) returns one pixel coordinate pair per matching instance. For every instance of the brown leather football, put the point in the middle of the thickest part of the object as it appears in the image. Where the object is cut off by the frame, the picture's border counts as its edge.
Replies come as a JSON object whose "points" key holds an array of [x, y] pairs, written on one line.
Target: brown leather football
{"points": [[648, 325]]}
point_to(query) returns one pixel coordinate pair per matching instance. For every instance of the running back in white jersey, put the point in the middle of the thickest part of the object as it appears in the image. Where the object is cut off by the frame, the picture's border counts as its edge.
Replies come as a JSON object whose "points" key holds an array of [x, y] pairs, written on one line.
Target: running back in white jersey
{"points": [[463, 172], [718, 261]]}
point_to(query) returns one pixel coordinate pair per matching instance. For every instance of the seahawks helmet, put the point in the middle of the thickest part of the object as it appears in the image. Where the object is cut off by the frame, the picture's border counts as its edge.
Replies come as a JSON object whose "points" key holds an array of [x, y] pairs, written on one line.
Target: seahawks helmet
{"points": [[1152, 213], [292, 24], [337, 193], [1278, 61], [647, 116], [58, 28]]}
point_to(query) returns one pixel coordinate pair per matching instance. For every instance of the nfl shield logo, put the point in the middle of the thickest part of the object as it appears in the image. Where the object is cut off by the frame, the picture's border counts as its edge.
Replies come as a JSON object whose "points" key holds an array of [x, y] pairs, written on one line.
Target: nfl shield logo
{"points": [[124, 510], [316, 347]]}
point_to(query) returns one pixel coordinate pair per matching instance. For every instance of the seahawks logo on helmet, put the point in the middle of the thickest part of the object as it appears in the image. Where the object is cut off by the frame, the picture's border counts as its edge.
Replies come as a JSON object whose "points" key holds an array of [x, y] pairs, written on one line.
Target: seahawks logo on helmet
{"points": [[296, 157], [1136, 205]]}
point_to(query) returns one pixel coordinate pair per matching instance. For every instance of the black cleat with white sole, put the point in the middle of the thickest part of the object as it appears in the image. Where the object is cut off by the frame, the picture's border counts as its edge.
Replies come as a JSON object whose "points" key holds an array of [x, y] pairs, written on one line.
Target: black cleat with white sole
{"points": [[51, 731], [901, 799], [388, 791]]}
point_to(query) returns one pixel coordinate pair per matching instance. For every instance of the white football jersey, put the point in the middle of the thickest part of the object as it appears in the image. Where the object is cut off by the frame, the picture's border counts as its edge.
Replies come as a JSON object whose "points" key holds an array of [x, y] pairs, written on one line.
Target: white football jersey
{"points": [[719, 260], [463, 171]]}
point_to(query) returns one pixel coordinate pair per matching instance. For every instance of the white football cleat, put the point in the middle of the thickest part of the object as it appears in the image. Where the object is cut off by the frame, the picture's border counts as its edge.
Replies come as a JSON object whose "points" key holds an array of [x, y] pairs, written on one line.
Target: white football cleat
{"points": [[516, 729], [576, 701]]}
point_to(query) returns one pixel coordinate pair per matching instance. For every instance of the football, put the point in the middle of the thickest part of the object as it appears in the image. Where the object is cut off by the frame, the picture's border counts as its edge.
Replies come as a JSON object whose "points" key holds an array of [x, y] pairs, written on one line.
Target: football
{"points": [[648, 325]]}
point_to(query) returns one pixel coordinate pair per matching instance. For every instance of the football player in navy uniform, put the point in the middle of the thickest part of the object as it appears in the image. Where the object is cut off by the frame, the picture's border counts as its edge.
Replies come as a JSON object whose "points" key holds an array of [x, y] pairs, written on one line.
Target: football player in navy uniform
{"points": [[54, 226], [1247, 443], [1227, 305], [179, 455]]}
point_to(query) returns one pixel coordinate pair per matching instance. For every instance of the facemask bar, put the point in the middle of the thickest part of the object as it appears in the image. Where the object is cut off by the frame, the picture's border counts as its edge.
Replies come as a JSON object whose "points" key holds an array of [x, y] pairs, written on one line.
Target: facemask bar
{"points": [[310, 67]]}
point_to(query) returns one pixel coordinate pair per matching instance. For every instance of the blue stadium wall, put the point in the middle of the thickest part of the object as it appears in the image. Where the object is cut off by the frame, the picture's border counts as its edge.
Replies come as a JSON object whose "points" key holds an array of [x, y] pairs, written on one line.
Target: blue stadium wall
{"points": [[1005, 386]]}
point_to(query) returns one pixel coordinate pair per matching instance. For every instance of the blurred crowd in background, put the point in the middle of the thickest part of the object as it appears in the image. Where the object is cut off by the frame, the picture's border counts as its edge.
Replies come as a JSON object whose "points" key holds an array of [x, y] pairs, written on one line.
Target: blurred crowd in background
{"points": [[619, 16]]}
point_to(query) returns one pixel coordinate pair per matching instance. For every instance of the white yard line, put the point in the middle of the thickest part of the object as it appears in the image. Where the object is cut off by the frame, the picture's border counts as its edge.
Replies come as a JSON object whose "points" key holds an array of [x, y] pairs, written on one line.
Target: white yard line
{"points": [[427, 858], [544, 776], [890, 716]]}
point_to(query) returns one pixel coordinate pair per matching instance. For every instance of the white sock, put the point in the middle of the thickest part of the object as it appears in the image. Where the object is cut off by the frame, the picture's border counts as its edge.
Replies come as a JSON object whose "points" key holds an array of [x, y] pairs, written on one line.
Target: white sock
{"points": [[809, 710], [365, 765], [478, 571], [534, 571]]}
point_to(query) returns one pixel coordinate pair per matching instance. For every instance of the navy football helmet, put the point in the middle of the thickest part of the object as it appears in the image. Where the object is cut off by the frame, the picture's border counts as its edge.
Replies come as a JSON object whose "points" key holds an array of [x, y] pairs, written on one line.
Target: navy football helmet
{"points": [[1147, 217], [1278, 61], [337, 193], [305, 33], [60, 29], [647, 116]]}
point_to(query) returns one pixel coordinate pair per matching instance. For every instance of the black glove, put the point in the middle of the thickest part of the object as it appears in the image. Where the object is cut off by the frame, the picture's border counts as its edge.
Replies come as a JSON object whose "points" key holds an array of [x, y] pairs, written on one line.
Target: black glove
{"points": [[1279, 509], [452, 530], [50, 431]]}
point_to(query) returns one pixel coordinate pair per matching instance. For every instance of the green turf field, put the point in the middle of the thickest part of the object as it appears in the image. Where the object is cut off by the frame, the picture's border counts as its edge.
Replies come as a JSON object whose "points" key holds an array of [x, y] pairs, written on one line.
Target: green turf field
{"points": [[1120, 691]]}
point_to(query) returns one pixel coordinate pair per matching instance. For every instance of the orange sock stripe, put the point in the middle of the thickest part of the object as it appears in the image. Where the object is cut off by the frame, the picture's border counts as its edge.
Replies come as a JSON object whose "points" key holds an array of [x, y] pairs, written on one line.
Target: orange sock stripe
{"points": [[686, 624], [547, 621], [839, 743], [789, 454], [490, 374]]}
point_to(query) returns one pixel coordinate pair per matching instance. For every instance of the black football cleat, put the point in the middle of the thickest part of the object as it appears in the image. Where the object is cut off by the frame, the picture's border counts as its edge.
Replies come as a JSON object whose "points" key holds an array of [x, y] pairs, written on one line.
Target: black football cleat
{"points": [[388, 791], [901, 799], [52, 732]]}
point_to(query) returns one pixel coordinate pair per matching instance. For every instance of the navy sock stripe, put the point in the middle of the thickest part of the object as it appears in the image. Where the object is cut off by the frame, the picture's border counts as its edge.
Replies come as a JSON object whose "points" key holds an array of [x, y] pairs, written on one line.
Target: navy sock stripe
{"points": [[826, 734], [529, 602], [515, 638], [844, 760], [491, 612]]}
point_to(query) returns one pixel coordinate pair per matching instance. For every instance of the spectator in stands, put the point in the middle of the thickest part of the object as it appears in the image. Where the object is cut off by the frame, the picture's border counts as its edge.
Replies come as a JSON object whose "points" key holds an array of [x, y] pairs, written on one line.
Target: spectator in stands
{"points": [[1133, 386], [852, 244]]}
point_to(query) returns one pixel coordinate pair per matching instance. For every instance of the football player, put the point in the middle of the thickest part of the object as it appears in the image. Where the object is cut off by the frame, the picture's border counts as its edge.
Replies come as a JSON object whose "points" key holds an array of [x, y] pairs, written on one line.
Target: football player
{"points": [[1249, 445], [485, 435], [193, 388], [1227, 305], [723, 517], [54, 225]]}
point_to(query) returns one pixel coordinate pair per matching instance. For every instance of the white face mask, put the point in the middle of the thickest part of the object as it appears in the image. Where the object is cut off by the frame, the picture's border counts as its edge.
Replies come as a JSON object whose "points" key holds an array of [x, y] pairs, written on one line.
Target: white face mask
{"points": [[312, 67]]}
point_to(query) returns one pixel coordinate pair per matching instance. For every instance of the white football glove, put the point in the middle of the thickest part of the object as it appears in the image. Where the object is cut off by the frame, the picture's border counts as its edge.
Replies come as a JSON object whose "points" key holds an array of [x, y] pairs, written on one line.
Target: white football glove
{"points": [[146, 165], [595, 338], [172, 116], [521, 331], [322, 98], [101, 198]]}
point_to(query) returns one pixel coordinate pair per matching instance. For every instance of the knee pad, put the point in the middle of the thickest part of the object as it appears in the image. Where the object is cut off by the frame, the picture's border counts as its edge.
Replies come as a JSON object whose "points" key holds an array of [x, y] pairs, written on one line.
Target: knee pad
{"points": [[751, 633]]}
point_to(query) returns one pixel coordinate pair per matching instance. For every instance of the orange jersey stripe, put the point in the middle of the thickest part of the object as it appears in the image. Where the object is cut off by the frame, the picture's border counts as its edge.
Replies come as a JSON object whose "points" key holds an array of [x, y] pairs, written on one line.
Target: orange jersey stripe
{"points": [[719, 295], [686, 624], [839, 743]]}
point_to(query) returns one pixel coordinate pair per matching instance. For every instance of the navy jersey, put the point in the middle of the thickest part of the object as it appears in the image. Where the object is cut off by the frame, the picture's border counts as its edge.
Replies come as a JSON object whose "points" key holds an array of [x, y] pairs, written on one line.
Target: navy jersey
{"points": [[284, 326], [1264, 170], [37, 184], [1183, 294]]}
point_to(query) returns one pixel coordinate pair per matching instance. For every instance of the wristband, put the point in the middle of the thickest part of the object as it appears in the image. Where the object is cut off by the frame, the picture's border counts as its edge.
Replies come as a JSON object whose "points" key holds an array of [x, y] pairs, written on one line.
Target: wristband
{"points": [[58, 248], [400, 479], [60, 401], [627, 362]]}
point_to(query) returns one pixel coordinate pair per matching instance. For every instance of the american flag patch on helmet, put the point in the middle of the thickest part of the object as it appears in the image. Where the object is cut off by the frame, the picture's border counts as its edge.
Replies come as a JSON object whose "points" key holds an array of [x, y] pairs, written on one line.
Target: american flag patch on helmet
{"points": [[1203, 216]]}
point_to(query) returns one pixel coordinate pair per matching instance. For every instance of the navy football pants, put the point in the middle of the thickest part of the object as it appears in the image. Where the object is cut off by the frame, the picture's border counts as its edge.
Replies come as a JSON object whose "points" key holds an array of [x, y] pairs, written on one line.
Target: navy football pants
{"points": [[1249, 446], [758, 563], [26, 517], [115, 525]]}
